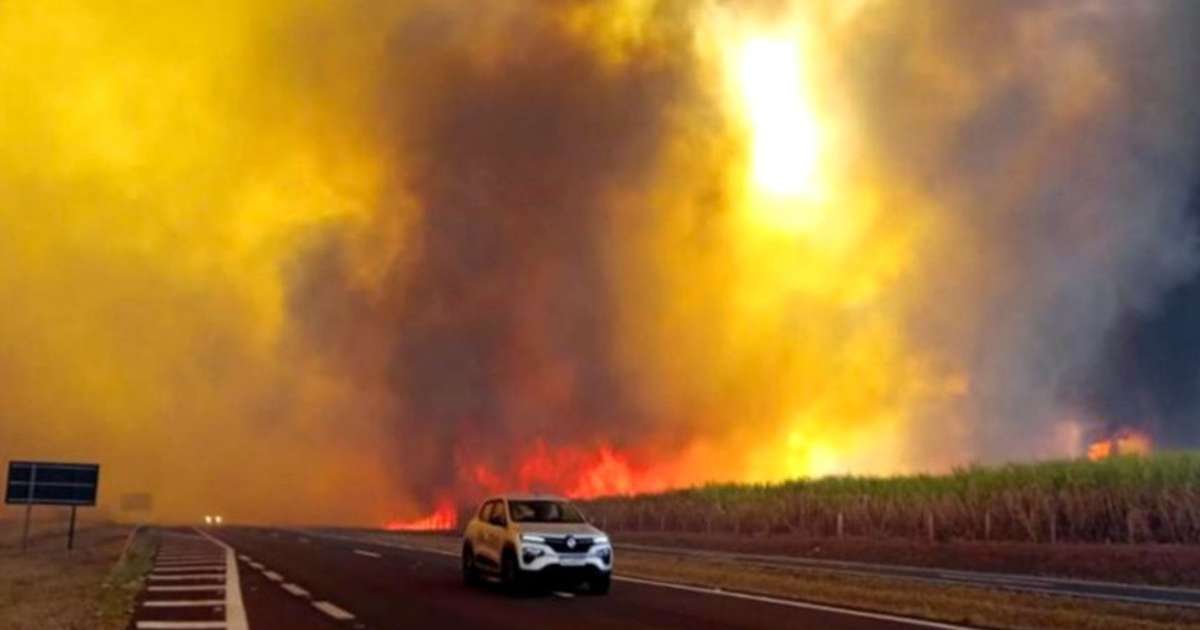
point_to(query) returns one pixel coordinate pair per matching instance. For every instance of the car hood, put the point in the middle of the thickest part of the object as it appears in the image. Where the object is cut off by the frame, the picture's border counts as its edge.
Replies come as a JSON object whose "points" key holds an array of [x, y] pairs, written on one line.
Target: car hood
{"points": [[559, 529]]}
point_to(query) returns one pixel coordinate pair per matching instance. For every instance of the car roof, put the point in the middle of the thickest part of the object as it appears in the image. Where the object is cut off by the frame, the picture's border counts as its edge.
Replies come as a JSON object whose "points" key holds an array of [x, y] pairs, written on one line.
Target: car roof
{"points": [[526, 496]]}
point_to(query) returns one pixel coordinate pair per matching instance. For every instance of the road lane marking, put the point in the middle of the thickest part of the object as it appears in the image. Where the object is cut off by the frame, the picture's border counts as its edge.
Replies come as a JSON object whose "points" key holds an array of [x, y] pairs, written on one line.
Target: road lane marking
{"points": [[206, 556], [190, 567], [190, 587], [245, 558], [294, 590], [189, 576], [333, 611], [273, 576], [369, 554], [564, 594], [795, 604], [257, 565], [182, 603], [187, 565], [235, 608], [180, 625]]}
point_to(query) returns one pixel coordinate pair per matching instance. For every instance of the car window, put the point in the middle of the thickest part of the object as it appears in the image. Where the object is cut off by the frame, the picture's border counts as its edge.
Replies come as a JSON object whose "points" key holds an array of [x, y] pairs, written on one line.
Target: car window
{"points": [[498, 517], [485, 511], [544, 512]]}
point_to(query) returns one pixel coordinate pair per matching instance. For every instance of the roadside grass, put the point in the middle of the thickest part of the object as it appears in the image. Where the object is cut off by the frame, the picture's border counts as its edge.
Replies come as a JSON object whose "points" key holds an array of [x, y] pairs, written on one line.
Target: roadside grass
{"points": [[49, 589], [125, 581], [972, 606]]}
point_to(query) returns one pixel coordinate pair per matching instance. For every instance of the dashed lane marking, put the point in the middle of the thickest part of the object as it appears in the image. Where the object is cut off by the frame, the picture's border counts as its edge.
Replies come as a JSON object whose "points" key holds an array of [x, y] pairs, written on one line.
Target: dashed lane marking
{"points": [[273, 576], [564, 594], [294, 590], [333, 611], [369, 554], [245, 558], [257, 565], [208, 568]]}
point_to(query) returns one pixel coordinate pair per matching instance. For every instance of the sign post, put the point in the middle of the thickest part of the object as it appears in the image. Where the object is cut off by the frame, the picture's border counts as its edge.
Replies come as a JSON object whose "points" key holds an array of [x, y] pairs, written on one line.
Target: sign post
{"points": [[45, 483]]}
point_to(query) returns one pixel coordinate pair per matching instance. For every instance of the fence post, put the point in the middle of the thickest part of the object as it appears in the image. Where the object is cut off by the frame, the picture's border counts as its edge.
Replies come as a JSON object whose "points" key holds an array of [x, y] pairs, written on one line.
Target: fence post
{"points": [[987, 525], [840, 524], [929, 525]]}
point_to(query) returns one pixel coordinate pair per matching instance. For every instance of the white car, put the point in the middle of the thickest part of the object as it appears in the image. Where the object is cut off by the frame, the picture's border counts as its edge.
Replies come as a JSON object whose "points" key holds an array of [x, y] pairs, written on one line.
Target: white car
{"points": [[520, 538]]}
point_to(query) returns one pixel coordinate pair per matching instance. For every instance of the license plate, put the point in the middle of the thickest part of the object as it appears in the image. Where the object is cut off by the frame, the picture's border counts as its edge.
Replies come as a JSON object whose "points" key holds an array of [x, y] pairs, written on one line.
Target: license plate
{"points": [[573, 562]]}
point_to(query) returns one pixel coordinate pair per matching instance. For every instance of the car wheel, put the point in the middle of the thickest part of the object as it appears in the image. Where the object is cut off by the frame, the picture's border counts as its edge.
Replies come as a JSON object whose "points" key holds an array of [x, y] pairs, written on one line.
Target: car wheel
{"points": [[510, 573], [599, 585], [470, 573]]}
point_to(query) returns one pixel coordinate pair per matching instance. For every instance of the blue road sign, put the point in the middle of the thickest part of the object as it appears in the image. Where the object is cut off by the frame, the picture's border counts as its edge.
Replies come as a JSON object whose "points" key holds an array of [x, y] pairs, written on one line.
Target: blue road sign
{"points": [[47, 483]]}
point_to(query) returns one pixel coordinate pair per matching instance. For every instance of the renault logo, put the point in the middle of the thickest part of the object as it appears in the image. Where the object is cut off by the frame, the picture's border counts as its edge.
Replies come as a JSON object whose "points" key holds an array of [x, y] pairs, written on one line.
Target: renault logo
{"points": [[570, 542]]}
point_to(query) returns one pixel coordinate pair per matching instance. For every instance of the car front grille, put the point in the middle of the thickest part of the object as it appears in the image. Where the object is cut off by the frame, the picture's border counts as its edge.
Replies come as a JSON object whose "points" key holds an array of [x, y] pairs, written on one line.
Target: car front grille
{"points": [[559, 544]]}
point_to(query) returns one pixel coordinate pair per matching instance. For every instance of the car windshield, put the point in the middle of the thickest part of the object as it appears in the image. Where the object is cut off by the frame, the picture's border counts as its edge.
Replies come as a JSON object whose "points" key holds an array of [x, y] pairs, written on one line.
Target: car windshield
{"points": [[544, 512]]}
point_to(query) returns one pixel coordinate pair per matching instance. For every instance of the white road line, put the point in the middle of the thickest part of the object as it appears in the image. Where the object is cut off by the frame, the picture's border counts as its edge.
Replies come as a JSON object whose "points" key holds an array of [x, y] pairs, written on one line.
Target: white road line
{"points": [[189, 576], [190, 563], [796, 604], [294, 590], [199, 567], [180, 625], [182, 603], [273, 576], [199, 556], [235, 608], [333, 611], [564, 594], [369, 554], [245, 558], [257, 565], [190, 587]]}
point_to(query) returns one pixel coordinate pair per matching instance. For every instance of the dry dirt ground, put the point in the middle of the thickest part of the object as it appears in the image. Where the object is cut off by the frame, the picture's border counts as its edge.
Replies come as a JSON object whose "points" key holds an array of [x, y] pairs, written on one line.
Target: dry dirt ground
{"points": [[46, 588]]}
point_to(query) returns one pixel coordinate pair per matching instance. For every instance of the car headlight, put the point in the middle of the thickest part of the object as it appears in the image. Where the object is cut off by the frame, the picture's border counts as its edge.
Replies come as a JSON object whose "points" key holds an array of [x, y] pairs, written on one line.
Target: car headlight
{"points": [[601, 540], [529, 554], [532, 538]]}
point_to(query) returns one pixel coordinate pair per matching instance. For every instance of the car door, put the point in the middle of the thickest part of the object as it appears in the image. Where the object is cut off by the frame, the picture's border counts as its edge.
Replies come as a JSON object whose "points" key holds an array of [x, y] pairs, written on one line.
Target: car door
{"points": [[496, 529], [485, 546]]}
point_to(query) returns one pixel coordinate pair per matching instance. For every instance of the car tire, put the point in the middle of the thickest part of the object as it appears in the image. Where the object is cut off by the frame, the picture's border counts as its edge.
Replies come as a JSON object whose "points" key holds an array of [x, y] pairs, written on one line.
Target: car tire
{"points": [[600, 584], [510, 572], [469, 571]]}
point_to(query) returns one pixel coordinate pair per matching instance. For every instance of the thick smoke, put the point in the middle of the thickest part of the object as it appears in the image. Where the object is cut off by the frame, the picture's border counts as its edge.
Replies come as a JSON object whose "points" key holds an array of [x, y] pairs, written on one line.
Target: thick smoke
{"points": [[307, 261]]}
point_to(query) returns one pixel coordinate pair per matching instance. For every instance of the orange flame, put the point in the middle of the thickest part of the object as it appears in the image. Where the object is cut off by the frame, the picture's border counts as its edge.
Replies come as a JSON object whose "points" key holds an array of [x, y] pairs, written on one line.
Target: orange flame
{"points": [[1124, 442], [443, 518], [573, 471]]}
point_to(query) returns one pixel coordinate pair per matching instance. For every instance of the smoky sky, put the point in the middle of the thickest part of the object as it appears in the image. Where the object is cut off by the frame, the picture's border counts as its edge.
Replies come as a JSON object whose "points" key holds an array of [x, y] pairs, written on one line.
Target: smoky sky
{"points": [[497, 330], [1068, 287]]}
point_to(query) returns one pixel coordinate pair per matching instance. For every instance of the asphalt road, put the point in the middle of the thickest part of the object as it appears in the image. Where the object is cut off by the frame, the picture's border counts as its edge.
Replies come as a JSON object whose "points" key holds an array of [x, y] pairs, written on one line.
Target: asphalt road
{"points": [[295, 581]]}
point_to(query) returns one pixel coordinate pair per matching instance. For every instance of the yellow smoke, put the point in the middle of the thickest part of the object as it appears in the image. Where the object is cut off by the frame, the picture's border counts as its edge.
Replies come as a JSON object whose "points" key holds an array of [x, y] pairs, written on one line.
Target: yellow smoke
{"points": [[167, 170]]}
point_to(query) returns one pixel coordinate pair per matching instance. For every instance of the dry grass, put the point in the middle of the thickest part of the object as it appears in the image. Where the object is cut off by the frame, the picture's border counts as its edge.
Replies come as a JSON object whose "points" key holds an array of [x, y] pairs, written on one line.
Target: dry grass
{"points": [[48, 589], [957, 604]]}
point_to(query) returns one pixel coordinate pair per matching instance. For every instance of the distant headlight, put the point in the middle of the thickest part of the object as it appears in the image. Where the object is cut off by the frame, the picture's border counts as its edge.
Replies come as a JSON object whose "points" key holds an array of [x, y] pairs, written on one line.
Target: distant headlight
{"points": [[532, 538]]}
